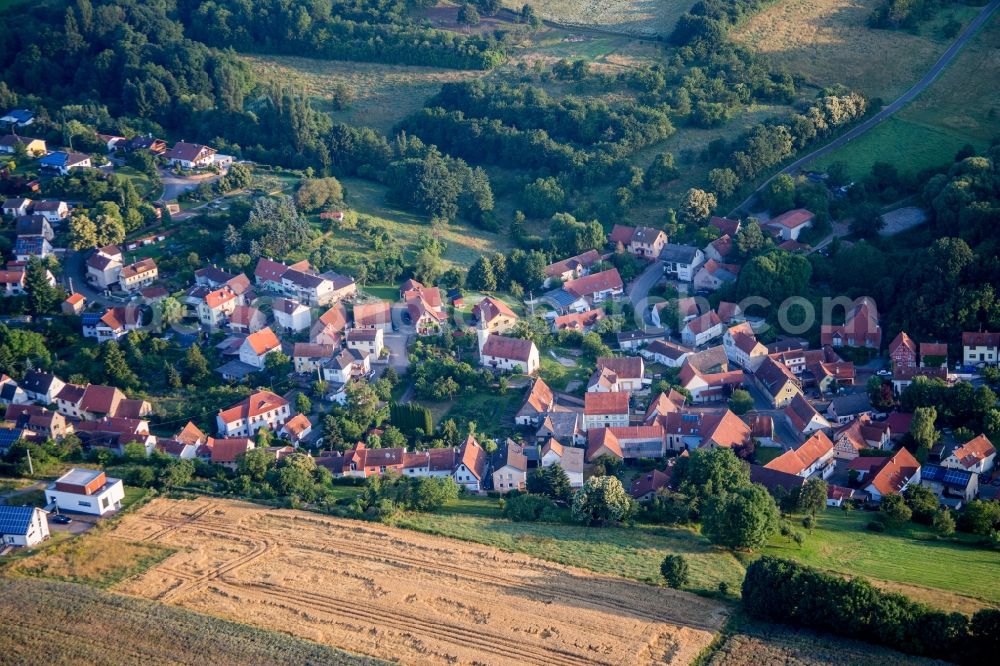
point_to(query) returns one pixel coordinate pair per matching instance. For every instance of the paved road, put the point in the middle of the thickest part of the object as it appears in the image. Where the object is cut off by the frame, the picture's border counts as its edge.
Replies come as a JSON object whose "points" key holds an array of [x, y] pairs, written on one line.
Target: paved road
{"points": [[887, 111], [638, 291], [174, 185]]}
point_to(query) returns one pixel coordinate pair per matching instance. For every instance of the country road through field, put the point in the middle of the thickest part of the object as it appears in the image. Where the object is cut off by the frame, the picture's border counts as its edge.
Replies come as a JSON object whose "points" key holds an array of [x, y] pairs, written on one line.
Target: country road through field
{"points": [[888, 110]]}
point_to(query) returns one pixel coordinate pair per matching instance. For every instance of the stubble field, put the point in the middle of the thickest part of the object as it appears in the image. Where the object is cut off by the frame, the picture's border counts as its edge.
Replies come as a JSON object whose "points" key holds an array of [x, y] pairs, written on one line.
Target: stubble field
{"points": [[399, 595]]}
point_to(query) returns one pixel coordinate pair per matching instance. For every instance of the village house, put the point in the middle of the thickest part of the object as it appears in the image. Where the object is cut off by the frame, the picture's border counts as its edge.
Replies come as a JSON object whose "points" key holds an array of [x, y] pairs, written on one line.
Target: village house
{"points": [[720, 249], [569, 458], [980, 347], [903, 377], [94, 402], [742, 347], [114, 432], [86, 491], [16, 206], [39, 420], [26, 247], [104, 266], [261, 409], [329, 328], [11, 393], [114, 324], [578, 321], [434, 463], [362, 462], [605, 409], [424, 307], [626, 442], [64, 162], [803, 417], [618, 374], [309, 357], [33, 147], [708, 386], [510, 468], [189, 155], [663, 404], [215, 307], [681, 261], [643, 242], [226, 451], [903, 351], [257, 346], [665, 353], [147, 142], [138, 275], [815, 457], [493, 315], [471, 468], [539, 401], [41, 386], [212, 277], [686, 430], [702, 330], [861, 328], [933, 355], [572, 268], [504, 354], [23, 526], [290, 315], [18, 118], [892, 475], [246, 319], [53, 211], [373, 315], [777, 383], [74, 304], [345, 366], [791, 224], [848, 407], [953, 487], [644, 486], [307, 287], [366, 340], [637, 339], [296, 429], [596, 287], [714, 275], [33, 226], [563, 425], [977, 455]]}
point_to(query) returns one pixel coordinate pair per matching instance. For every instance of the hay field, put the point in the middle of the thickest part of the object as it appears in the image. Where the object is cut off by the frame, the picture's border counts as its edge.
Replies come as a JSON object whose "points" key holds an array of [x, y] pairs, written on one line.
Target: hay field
{"points": [[48, 622], [829, 42], [404, 596], [632, 17]]}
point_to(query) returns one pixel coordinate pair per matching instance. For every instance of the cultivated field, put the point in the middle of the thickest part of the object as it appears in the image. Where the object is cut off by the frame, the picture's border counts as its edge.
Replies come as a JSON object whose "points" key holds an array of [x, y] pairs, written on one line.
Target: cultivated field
{"points": [[768, 645], [829, 42], [399, 595], [47, 622], [634, 17]]}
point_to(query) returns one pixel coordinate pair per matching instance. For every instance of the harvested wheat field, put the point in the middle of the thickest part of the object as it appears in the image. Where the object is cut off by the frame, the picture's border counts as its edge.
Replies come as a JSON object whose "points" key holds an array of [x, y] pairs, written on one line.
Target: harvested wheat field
{"points": [[405, 596]]}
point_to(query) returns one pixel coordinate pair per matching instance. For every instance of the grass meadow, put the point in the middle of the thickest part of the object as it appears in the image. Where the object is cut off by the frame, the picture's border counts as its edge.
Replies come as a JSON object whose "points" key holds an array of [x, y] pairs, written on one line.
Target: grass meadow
{"points": [[634, 17], [829, 42]]}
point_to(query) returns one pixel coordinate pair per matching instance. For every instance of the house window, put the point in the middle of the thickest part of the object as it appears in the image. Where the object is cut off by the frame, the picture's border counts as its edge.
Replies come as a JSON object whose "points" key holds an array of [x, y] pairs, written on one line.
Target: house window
{"points": [[82, 503], [104, 502]]}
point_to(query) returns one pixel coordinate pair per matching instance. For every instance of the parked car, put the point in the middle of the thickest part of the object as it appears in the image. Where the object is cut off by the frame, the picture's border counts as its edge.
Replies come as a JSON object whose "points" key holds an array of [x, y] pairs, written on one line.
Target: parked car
{"points": [[884, 373], [60, 519]]}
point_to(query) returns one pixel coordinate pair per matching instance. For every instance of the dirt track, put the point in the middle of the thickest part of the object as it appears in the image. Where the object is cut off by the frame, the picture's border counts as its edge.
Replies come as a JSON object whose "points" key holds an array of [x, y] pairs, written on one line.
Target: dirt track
{"points": [[405, 596]]}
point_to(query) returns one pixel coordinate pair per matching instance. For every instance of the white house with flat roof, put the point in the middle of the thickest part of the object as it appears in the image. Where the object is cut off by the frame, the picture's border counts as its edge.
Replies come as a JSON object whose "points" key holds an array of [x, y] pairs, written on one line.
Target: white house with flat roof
{"points": [[86, 491]]}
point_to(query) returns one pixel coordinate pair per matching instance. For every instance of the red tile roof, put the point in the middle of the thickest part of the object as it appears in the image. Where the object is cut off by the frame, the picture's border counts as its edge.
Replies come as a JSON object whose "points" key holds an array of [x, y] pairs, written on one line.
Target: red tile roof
{"points": [[793, 218], [628, 367], [490, 308], [894, 473], [974, 451], [253, 405], [227, 449], [808, 454], [372, 314], [263, 341], [594, 283], [605, 403], [473, 457], [577, 321], [500, 346], [980, 339], [650, 482]]}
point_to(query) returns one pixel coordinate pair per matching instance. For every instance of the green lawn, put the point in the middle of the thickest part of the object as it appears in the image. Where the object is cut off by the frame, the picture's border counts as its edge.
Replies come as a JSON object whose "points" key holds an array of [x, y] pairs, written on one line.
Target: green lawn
{"points": [[910, 556], [139, 180], [630, 552], [556, 375], [386, 292], [765, 454]]}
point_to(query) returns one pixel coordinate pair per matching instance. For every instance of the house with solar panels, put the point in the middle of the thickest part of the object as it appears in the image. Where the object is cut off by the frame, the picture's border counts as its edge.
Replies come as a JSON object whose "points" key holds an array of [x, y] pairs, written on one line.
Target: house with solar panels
{"points": [[954, 487], [23, 525]]}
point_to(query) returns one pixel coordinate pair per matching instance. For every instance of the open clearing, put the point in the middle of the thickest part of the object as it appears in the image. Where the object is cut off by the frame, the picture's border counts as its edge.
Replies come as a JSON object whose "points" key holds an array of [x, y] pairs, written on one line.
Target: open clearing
{"points": [[634, 17], [47, 622], [405, 596], [829, 42]]}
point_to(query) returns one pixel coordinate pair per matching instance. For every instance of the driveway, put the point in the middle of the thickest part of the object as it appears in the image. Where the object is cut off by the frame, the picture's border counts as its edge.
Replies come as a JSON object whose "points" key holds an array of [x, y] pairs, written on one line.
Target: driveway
{"points": [[397, 343], [174, 185], [75, 269], [888, 110]]}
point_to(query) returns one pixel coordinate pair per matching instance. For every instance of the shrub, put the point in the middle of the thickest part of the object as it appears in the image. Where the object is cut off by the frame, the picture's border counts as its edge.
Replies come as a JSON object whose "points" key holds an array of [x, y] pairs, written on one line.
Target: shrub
{"points": [[674, 569], [527, 508]]}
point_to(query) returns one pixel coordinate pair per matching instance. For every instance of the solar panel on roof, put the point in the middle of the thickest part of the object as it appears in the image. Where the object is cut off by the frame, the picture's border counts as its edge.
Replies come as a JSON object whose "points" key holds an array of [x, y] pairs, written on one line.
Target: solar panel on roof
{"points": [[8, 436], [15, 519]]}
